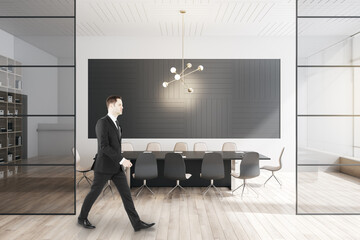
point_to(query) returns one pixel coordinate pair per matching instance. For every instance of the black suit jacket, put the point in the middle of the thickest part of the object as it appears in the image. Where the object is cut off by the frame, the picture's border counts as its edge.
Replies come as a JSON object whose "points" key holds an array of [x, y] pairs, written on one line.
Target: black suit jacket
{"points": [[109, 147]]}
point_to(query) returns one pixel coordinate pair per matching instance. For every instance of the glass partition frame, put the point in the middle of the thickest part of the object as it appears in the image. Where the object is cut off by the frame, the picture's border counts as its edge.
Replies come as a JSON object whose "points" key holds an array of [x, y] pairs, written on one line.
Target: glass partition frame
{"points": [[301, 15], [68, 13]]}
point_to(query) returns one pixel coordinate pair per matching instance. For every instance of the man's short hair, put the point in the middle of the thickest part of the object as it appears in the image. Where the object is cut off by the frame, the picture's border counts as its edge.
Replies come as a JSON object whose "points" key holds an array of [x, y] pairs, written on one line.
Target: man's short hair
{"points": [[112, 99]]}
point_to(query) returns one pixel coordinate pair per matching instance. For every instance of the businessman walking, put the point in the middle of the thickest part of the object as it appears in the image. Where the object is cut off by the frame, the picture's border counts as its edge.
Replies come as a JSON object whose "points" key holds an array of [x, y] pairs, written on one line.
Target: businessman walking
{"points": [[107, 166]]}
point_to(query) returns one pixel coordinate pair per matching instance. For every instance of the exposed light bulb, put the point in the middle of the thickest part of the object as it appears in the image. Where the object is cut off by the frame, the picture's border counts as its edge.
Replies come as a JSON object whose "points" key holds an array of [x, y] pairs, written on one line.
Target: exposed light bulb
{"points": [[165, 84], [173, 70], [200, 67], [188, 65], [190, 90], [177, 77]]}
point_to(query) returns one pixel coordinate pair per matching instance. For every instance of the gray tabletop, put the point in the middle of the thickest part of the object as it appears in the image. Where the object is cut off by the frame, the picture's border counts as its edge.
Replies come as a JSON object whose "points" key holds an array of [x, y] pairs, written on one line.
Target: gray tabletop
{"points": [[192, 155]]}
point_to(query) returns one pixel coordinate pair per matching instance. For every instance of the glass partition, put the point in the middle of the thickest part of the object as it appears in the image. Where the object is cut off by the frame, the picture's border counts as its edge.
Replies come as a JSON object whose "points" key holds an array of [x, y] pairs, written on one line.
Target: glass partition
{"points": [[328, 120], [41, 41], [37, 102], [329, 8], [37, 189], [13, 8]]}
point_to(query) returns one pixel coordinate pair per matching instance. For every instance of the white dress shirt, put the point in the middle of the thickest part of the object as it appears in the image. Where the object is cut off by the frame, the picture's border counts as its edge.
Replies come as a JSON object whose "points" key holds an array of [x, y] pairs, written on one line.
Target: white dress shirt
{"points": [[114, 120]]}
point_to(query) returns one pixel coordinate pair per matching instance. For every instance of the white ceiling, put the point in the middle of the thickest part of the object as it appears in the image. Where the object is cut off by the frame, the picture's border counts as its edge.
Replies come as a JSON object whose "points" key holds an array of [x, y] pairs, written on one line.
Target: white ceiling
{"points": [[161, 18], [203, 17], [329, 8]]}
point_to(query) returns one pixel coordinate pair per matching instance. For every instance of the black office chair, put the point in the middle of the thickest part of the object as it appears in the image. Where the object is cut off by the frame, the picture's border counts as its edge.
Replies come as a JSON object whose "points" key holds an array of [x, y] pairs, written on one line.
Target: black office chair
{"points": [[249, 168], [145, 169], [212, 167], [175, 169]]}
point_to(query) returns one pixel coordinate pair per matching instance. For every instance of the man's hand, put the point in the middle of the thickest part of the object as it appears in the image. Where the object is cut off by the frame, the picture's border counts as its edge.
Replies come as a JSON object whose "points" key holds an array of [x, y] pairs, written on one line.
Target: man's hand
{"points": [[127, 163]]}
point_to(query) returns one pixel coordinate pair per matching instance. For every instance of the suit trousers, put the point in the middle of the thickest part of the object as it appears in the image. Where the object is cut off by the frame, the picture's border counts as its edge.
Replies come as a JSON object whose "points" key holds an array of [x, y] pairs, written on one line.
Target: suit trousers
{"points": [[119, 179]]}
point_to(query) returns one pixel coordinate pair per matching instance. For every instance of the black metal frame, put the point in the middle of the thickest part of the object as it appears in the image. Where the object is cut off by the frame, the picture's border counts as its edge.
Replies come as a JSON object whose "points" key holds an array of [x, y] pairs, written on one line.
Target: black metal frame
{"points": [[52, 115], [315, 115]]}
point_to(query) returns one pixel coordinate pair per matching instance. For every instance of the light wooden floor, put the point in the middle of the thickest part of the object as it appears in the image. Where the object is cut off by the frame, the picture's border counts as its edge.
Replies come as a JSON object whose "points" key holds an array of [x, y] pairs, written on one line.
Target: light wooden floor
{"points": [[189, 216]]}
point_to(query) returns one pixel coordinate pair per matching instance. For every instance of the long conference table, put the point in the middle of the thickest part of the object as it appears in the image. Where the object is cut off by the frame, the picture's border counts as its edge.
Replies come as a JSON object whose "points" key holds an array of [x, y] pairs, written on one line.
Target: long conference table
{"points": [[193, 161]]}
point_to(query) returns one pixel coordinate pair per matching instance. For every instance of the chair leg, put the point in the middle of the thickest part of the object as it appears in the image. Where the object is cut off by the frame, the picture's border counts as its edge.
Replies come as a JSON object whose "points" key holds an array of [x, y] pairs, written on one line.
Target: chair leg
{"points": [[218, 190], [150, 190], [242, 193], [215, 188], [273, 175], [139, 191], [277, 180], [142, 187], [108, 186], [177, 185], [247, 186], [268, 179], [80, 180], [88, 179], [237, 188], [206, 190], [171, 191]]}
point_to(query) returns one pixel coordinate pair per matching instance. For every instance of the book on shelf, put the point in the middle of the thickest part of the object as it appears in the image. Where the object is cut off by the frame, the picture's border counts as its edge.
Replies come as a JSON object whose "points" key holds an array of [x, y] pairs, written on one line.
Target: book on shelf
{"points": [[18, 84], [18, 140]]}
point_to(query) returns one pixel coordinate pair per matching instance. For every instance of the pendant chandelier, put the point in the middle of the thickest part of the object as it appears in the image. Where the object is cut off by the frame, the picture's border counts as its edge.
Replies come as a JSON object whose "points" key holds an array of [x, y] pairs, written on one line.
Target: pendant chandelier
{"points": [[181, 76]]}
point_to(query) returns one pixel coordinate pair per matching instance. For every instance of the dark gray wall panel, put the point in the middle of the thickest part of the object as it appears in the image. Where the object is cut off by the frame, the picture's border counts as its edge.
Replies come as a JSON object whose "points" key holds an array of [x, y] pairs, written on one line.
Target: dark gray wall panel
{"points": [[233, 98]]}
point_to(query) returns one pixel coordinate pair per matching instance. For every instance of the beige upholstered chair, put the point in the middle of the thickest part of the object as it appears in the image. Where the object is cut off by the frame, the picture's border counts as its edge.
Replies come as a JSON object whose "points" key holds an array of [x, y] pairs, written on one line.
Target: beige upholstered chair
{"points": [[80, 168], [153, 146], [180, 147], [127, 147], [274, 168], [230, 146], [200, 147]]}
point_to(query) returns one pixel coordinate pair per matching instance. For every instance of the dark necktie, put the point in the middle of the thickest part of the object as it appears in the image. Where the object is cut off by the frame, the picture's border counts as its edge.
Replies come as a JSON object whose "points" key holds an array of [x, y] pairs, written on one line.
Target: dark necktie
{"points": [[118, 127]]}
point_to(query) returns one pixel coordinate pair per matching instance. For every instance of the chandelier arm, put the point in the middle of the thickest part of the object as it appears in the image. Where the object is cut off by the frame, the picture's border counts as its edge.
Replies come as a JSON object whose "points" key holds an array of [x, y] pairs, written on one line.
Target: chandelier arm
{"points": [[172, 81], [190, 72], [183, 71]]}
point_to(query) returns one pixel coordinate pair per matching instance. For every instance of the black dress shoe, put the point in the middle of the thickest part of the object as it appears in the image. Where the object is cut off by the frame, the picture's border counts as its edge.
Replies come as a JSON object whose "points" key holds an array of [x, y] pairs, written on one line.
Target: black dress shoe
{"points": [[85, 223], [143, 225]]}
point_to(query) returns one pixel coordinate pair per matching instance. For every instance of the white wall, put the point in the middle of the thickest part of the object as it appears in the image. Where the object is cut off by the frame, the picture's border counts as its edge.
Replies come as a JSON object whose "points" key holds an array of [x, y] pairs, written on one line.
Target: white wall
{"points": [[7, 44], [211, 48]]}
